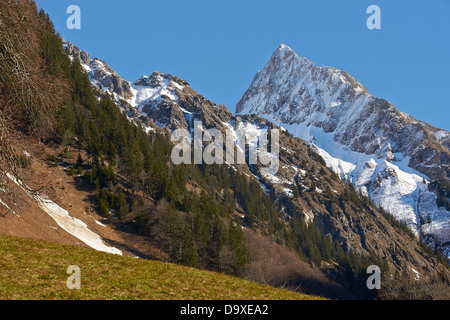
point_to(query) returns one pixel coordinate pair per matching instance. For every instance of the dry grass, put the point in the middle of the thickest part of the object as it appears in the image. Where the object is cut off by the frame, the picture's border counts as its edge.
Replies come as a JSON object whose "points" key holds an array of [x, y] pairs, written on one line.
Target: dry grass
{"points": [[33, 269]]}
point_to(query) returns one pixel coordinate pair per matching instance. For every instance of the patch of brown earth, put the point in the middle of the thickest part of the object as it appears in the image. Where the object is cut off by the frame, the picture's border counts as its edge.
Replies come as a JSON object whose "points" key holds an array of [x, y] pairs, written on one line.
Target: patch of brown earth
{"points": [[28, 220]]}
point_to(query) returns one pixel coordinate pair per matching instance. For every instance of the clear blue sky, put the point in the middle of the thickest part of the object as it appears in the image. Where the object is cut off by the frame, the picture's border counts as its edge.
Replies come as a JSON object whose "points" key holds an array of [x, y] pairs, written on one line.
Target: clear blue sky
{"points": [[219, 45]]}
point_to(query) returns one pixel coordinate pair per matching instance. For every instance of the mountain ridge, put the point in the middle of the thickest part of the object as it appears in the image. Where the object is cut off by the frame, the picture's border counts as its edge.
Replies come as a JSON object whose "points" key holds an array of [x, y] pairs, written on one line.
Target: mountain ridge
{"points": [[363, 138], [177, 109], [341, 90]]}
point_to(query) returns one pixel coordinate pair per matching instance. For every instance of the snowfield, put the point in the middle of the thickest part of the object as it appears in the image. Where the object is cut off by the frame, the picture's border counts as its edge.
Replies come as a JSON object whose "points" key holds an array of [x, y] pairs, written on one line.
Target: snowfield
{"points": [[396, 187], [65, 221], [74, 226]]}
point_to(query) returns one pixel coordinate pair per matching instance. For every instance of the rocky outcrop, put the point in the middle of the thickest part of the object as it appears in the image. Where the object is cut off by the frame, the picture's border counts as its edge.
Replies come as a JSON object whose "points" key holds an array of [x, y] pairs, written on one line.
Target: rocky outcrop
{"points": [[108, 80], [172, 104], [74, 51], [100, 73]]}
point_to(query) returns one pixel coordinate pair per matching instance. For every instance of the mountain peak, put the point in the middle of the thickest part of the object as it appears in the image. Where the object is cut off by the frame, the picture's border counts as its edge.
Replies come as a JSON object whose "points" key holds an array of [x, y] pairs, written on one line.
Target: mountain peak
{"points": [[284, 52], [157, 78], [284, 47], [363, 138]]}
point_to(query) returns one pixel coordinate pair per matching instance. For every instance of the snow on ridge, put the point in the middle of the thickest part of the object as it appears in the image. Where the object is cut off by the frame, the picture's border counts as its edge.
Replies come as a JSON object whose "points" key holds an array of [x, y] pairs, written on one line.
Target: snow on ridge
{"points": [[393, 185], [441, 134], [185, 111], [145, 94], [140, 94]]}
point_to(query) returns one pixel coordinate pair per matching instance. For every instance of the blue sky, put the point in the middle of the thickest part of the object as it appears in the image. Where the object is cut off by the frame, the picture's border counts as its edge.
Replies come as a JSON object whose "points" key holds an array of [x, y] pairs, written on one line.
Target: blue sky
{"points": [[218, 46]]}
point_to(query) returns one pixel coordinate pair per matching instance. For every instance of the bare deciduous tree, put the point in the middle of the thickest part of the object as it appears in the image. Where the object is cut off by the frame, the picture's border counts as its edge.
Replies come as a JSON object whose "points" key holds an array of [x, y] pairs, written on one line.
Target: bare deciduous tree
{"points": [[278, 266], [29, 95]]}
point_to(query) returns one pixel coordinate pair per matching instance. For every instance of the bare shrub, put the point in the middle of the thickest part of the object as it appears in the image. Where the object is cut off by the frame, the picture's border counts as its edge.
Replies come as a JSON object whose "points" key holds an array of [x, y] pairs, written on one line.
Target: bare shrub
{"points": [[29, 96], [9, 167], [439, 290], [406, 287], [277, 266]]}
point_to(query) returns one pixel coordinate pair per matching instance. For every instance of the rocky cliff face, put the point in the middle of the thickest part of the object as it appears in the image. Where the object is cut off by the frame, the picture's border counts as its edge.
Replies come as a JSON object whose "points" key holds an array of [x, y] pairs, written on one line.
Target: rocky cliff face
{"points": [[358, 227], [102, 75], [387, 154], [172, 103], [295, 91]]}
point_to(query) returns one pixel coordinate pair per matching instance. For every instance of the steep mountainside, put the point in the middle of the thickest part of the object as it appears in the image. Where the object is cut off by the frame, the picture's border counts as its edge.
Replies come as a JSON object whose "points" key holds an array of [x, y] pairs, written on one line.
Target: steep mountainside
{"points": [[303, 186], [388, 155]]}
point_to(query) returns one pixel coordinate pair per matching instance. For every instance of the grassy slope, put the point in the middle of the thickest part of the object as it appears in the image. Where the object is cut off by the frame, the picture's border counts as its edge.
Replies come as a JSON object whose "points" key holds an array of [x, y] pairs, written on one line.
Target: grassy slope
{"points": [[31, 269]]}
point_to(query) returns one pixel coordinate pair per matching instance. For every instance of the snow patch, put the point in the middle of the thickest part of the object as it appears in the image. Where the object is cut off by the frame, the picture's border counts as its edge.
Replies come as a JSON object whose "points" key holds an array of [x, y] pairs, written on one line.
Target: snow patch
{"points": [[26, 154], [74, 226], [99, 223]]}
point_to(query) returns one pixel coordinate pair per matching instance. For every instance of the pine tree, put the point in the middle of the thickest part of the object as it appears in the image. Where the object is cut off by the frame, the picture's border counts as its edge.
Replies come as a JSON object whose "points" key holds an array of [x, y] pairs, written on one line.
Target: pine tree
{"points": [[79, 162], [173, 231], [237, 242], [120, 205], [295, 191], [189, 253], [104, 208], [229, 201], [330, 195], [200, 228]]}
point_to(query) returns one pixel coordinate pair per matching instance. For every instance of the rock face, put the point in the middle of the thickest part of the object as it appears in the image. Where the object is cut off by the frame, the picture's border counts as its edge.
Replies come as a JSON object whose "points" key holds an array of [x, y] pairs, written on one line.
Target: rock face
{"points": [[293, 90], [387, 154], [74, 51], [172, 104], [101, 74]]}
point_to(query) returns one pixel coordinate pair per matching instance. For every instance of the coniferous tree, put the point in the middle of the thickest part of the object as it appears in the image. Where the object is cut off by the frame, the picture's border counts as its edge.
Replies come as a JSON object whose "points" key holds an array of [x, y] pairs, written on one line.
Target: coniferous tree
{"points": [[189, 253], [237, 242], [79, 162], [120, 205]]}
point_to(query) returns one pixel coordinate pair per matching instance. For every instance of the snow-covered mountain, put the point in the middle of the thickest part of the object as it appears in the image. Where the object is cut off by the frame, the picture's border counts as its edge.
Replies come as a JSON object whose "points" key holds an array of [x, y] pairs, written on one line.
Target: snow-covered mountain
{"points": [[385, 153], [164, 103]]}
